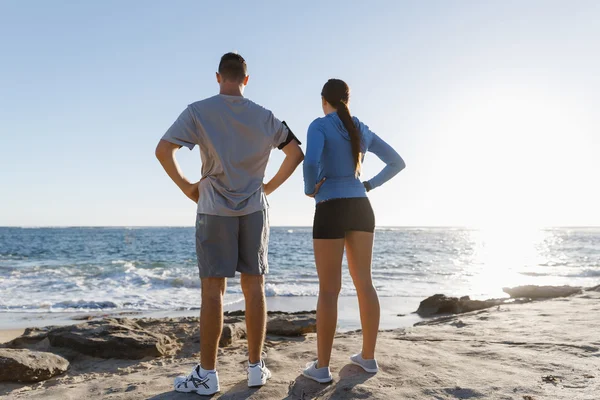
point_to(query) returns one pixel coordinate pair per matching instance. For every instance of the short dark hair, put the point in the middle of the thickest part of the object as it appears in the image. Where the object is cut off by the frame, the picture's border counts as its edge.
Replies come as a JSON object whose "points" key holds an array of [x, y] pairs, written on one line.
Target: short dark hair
{"points": [[233, 67]]}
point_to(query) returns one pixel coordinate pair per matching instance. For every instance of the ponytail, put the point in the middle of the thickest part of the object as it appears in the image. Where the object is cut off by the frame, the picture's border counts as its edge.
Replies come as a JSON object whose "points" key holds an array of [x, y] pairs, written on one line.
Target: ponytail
{"points": [[344, 113], [337, 93]]}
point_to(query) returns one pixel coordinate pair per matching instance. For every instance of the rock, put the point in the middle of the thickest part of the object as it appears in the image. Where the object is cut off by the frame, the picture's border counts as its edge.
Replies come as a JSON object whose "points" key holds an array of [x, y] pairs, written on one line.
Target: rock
{"points": [[438, 304], [441, 304], [292, 324], [231, 333], [551, 379], [593, 289], [236, 313], [242, 313], [475, 305], [458, 324], [20, 365], [285, 323], [112, 338], [29, 337], [273, 313], [152, 337], [541, 292]]}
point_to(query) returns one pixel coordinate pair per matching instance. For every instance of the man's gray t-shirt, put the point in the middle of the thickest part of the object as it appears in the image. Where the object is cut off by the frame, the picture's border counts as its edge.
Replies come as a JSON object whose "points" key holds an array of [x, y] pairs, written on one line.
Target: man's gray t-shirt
{"points": [[235, 136]]}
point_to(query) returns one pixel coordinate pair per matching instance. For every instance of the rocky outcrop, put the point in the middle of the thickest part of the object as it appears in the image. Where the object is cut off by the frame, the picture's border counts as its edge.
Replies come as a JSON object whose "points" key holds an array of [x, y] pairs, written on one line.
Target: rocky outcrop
{"points": [[21, 365], [441, 304], [278, 324], [236, 313], [438, 304], [152, 337], [541, 292], [292, 324], [234, 326], [282, 323], [29, 337], [112, 338], [232, 331]]}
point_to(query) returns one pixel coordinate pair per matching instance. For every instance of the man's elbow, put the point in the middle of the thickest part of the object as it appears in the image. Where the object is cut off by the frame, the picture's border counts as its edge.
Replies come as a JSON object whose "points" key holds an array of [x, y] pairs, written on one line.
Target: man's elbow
{"points": [[158, 152], [294, 153], [299, 157], [163, 150]]}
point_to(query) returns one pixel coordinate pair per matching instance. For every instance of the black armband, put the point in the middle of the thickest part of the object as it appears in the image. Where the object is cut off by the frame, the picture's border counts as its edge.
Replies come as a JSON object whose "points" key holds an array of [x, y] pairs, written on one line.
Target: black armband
{"points": [[289, 137], [367, 186]]}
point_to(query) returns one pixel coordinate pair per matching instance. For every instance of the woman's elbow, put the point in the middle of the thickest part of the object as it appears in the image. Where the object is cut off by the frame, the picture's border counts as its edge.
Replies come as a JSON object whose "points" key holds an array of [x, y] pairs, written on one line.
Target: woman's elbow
{"points": [[401, 165], [398, 164]]}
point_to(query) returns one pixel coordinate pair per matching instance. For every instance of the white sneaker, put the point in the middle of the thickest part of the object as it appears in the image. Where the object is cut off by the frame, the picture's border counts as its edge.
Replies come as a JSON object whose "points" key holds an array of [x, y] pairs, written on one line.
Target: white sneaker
{"points": [[258, 374], [193, 383]]}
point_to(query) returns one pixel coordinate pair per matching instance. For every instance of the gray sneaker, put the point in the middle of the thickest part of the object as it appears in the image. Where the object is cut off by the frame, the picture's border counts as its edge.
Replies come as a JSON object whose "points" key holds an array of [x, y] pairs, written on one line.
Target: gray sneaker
{"points": [[368, 365], [321, 375]]}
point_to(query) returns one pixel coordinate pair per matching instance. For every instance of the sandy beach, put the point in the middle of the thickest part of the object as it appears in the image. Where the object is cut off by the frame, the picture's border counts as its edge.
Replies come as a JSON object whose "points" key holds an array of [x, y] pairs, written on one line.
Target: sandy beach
{"points": [[538, 350], [9, 334]]}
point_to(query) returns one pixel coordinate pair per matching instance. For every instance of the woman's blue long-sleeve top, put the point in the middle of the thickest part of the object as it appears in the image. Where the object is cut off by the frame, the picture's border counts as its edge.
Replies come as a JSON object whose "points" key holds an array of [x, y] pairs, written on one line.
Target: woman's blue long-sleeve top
{"points": [[329, 155]]}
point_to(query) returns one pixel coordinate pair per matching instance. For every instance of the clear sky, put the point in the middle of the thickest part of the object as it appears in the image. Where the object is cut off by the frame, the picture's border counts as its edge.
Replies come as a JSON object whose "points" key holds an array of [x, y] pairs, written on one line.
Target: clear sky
{"points": [[494, 105]]}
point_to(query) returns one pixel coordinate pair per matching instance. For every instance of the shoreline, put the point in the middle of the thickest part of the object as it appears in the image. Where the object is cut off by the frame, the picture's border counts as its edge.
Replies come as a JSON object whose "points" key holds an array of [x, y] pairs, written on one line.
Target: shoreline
{"points": [[348, 315]]}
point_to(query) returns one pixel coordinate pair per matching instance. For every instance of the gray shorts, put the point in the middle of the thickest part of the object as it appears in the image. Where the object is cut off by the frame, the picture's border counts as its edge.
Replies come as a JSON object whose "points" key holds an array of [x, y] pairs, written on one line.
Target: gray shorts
{"points": [[228, 244]]}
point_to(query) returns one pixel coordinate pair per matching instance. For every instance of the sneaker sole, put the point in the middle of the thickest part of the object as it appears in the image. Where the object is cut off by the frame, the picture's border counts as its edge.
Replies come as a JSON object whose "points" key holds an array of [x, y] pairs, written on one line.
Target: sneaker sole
{"points": [[197, 392], [194, 390], [369, 370], [320, 380], [208, 394]]}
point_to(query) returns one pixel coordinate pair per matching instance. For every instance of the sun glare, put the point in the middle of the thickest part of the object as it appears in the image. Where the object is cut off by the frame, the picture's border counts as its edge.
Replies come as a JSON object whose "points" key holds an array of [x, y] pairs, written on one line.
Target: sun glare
{"points": [[505, 152], [506, 158], [501, 254]]}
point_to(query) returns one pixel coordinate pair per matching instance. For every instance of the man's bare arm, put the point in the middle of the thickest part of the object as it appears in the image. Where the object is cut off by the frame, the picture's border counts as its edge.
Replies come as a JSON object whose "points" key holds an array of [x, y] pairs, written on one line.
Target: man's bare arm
{"points": [[165, 152], [293, 158]]}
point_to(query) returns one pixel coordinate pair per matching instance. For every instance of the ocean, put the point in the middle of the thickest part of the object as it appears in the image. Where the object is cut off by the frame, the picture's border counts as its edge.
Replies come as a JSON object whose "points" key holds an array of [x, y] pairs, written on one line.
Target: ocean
{"points": [[154, 269]]}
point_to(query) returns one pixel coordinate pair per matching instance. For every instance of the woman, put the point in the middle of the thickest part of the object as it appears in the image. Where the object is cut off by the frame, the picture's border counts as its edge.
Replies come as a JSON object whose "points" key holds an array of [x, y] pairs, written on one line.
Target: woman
{"points": [[344, 218]]}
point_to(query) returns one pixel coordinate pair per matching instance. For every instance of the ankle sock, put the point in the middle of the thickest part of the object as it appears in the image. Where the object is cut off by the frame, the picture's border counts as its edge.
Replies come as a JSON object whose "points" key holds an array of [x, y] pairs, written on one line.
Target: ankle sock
{"points": [[203, 372]]}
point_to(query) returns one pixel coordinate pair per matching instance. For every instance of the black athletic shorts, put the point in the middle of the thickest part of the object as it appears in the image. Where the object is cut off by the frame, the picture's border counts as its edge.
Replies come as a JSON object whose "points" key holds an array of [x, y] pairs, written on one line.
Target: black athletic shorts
{"points": [[333, 218]]}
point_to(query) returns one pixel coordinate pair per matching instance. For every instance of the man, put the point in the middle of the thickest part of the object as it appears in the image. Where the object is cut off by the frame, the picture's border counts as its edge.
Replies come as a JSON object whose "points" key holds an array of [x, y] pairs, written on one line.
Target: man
{"points": [[235, 137]]}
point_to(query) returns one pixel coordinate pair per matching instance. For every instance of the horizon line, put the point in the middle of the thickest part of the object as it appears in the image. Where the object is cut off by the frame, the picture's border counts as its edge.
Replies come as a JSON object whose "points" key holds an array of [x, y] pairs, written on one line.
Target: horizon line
{"points": [[285, 226]]}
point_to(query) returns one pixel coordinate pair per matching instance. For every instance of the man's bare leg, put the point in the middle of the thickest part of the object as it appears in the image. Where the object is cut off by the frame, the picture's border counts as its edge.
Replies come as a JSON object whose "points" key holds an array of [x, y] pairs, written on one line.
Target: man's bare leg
{"points": [[211, 320], [253, 287]]}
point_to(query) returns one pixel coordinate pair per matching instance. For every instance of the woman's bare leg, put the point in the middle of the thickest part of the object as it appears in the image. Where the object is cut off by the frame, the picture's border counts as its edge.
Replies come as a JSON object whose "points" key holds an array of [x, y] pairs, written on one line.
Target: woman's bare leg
{"points": [[359, 250], [328, 258]]}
